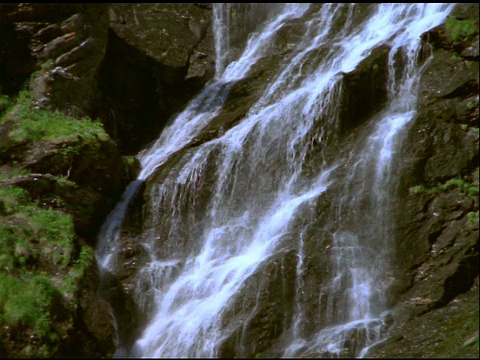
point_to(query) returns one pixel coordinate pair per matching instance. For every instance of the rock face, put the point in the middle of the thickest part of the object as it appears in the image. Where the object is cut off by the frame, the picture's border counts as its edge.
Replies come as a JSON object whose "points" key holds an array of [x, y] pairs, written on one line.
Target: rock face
{"points": [[158, 56], [101, 61], [434, 290], [437, 210], [80, 60], [133, 66]]}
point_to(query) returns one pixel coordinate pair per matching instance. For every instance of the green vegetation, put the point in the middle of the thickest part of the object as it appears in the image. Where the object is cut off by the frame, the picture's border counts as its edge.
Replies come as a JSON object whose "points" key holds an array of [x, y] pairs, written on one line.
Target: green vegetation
{"points": [[39, 266], [12, 173], [457, 29], [41, 262], [461, 335], [32, 238], [129, 160], [472, 217], [32, 123], [419, 189], [27, 301], [233, 15], [30, 232], [77, 271], [5, 103], [465, 188]]}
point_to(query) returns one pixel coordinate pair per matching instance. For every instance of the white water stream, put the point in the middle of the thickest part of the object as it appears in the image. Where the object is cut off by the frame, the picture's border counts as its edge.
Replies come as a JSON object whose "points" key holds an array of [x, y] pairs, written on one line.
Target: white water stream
{"points": [[233, 201]]}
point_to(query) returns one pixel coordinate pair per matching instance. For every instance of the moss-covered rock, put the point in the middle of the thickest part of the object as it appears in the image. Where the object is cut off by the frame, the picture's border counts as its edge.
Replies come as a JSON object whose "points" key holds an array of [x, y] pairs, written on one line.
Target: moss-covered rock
{"points": [[59, 178]]}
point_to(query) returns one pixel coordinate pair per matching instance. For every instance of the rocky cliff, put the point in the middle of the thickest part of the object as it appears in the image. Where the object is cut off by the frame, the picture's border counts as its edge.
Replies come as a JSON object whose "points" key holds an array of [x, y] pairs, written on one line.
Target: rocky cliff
{"points": [[132, 66], [129, 67], [437, 210]]}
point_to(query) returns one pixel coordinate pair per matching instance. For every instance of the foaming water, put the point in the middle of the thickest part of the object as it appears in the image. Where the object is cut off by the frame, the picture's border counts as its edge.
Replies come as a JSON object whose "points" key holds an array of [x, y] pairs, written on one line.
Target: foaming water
{"points": [[234, 201]]}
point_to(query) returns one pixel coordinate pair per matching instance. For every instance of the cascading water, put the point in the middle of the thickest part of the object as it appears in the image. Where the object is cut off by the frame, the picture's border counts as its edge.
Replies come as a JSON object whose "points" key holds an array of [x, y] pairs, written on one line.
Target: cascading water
{"points": [[233, 204]]}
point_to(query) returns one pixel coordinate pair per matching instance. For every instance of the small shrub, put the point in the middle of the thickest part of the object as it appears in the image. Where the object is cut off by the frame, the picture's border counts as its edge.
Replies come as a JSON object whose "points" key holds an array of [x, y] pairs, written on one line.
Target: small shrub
{"points": [[419, 189]]}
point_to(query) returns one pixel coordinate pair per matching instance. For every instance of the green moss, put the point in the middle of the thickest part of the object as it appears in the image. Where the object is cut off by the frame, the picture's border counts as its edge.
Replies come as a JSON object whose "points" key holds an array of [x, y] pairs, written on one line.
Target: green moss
{"points": [[41, 262], [12, 198], [5, 104], [30, 301], [27, 301], [464, 187], [462, 337], [30, 294], [85, 259], [33, 233], [31, 123], [473, 217], [129, 160], [458, 29]]}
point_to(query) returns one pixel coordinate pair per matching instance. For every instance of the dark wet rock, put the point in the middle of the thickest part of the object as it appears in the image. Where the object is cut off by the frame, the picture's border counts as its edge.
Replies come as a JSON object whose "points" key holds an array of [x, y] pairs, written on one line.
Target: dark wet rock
{"points": [[135, 65], [169, 33], [365, 89], [437, 224], [158, 56], [102, 62], [437, 244], [254, 332]]}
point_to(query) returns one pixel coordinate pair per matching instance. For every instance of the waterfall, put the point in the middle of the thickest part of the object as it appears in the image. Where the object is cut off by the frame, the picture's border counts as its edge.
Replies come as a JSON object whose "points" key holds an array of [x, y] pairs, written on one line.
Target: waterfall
{"points": [[283, 180]]}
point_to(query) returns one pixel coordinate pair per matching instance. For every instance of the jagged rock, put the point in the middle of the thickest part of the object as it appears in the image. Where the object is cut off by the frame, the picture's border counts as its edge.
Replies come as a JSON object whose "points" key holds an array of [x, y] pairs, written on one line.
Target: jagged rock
{"points": [[437, 246], [135, 65], [365, 89], [168, 33], [158, 56]]}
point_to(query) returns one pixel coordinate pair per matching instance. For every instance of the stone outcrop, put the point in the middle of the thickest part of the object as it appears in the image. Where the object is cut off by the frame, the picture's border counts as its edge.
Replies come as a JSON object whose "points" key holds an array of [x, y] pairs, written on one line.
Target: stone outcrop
{"points": [[133, 66], [158, 56], [69, 177], [97, 61], [437, 210], [102, 61]]}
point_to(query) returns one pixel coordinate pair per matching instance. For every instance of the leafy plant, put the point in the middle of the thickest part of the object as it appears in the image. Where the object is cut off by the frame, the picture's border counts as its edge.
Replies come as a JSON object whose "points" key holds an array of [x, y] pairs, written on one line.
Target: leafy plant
{"points": [[458, 29]]}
